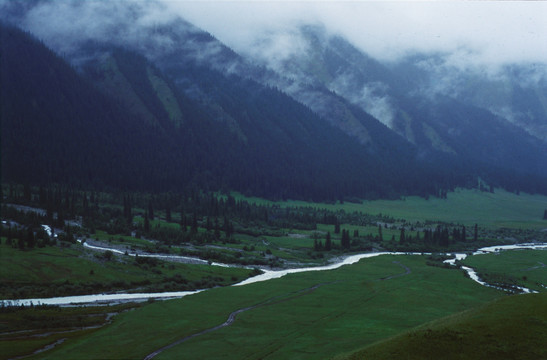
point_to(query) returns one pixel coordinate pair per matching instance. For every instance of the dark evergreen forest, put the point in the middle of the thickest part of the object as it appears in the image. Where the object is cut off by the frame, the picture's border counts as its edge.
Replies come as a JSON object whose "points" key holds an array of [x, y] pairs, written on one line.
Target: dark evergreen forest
{"points": [[61, 125]]}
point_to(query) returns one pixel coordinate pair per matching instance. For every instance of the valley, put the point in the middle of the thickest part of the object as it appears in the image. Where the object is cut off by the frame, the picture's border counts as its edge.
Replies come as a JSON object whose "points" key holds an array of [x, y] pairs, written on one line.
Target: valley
{"points": [[72, 268], [257, 180]]}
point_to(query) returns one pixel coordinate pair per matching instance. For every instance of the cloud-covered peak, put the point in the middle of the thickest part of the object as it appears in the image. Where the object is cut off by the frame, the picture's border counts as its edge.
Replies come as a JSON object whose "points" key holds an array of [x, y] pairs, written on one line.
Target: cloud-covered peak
{"points": [[479, 32]]}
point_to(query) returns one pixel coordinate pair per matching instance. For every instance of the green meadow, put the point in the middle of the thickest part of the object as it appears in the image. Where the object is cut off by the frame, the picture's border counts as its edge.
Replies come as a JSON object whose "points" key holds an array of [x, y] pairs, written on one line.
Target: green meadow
{"points": [[311, 315], [25, 330], [526, 268], [308, 315], [59, 271], [468, 207], [512, 327]]}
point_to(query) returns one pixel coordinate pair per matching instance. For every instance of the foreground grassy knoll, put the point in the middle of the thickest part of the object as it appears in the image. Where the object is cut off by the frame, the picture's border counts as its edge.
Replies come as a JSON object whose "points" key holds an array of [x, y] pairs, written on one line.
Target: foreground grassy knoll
{"points": [[513, 327], [526, 268], [498, 209], [73, 270], [308, 315]]}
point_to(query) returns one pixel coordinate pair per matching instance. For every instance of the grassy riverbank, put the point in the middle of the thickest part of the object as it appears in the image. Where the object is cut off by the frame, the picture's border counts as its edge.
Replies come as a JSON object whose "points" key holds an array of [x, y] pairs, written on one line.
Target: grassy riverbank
{"points": [[526, 268], [314, 314], [73, 270]]}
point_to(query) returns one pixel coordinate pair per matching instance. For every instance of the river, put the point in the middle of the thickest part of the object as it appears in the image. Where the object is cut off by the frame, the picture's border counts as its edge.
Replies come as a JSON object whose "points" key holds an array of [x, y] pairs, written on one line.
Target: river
{"points": [[265, 276]]}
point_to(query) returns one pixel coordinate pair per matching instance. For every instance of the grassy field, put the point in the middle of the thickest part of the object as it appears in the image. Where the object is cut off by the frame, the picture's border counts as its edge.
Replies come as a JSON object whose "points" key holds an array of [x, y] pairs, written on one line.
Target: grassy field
{"points": [[128, 241], [25, 330], [526, 268], [513, 327], [301, 316], [500, 209], [309, 315], [54, 271]]}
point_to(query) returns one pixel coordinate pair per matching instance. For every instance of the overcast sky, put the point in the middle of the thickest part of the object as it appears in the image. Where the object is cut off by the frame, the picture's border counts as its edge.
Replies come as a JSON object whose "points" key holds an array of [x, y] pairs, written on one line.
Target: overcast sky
{"points": [[487, 32], [483, 31]]}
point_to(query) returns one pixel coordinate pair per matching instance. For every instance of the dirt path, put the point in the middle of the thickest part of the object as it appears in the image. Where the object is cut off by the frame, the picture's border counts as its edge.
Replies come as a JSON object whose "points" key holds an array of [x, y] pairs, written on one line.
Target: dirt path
{"points": [[233, 315], [407, 271], [541, 265]]}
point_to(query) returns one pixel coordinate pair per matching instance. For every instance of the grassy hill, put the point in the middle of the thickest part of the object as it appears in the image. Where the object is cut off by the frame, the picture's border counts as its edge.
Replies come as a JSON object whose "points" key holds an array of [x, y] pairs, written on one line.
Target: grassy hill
{"points": [[513, 327], [308, 315]]}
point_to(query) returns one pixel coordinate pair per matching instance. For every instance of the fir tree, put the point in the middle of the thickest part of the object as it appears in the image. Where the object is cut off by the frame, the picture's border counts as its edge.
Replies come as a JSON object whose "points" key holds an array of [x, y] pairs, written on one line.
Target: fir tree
{"points": [[146, 222], [217, 229], [194, 227], [380, 236], [328, 242], [168, 213], [150, 210], [345, 242]]}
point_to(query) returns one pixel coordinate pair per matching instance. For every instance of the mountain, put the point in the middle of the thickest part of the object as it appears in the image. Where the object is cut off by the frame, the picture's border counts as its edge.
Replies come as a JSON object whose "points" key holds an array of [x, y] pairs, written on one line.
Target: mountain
{"points": [[410, 100], [122, 123], [57, 127], [325, 122], [515, 93]]}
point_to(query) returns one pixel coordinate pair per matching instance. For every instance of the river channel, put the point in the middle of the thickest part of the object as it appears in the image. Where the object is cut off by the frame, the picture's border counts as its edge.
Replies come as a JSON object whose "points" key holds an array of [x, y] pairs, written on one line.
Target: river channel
{"points": [[99, 299]]}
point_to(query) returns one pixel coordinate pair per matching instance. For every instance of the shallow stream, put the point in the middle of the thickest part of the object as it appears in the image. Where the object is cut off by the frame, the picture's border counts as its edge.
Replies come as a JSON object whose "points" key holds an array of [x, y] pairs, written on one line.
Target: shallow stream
{"points": [[267, 275]]}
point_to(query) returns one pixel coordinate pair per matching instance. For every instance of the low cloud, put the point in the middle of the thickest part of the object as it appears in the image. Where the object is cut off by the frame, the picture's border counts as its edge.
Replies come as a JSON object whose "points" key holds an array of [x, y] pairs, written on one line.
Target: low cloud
{"points": [[490, 33], [472, 32], [372, 97]]}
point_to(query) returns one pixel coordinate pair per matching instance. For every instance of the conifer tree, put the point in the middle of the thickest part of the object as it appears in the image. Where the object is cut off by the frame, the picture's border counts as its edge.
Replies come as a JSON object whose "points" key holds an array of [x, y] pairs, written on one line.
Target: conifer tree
{"points": [[146, 222], [217, 229], [328, 242], [380, 236], [337, 226], [168, 213], [345, 242], [150, 210], [194, 228]]}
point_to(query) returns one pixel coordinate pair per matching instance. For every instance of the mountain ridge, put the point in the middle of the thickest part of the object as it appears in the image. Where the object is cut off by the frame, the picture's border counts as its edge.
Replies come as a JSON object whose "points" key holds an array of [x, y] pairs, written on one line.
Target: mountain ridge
{"points": [[288, 151], [186, 80]]}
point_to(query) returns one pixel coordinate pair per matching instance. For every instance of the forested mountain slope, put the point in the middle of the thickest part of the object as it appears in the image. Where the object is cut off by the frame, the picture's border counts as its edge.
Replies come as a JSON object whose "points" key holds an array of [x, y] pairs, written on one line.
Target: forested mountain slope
{"points": [[125, 125]]}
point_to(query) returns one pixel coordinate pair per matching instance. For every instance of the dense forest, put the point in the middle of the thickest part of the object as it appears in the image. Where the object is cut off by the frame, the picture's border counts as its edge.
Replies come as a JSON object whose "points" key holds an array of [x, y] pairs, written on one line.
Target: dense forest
{"points": [[120, 123]]}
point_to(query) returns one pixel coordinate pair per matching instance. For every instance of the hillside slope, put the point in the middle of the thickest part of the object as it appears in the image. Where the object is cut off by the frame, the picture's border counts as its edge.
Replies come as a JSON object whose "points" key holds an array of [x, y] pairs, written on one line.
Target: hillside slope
{"points": [[513, 327], [124, 124]]}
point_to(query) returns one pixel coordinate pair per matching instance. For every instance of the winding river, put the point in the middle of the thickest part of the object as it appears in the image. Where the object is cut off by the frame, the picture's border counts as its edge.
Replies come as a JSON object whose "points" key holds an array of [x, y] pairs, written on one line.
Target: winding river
{"points": [[265, 276]]}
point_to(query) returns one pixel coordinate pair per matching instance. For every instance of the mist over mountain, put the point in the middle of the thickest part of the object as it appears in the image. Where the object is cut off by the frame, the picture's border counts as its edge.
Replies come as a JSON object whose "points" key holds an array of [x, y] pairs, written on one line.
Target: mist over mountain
{"points": [[295, 108]]}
